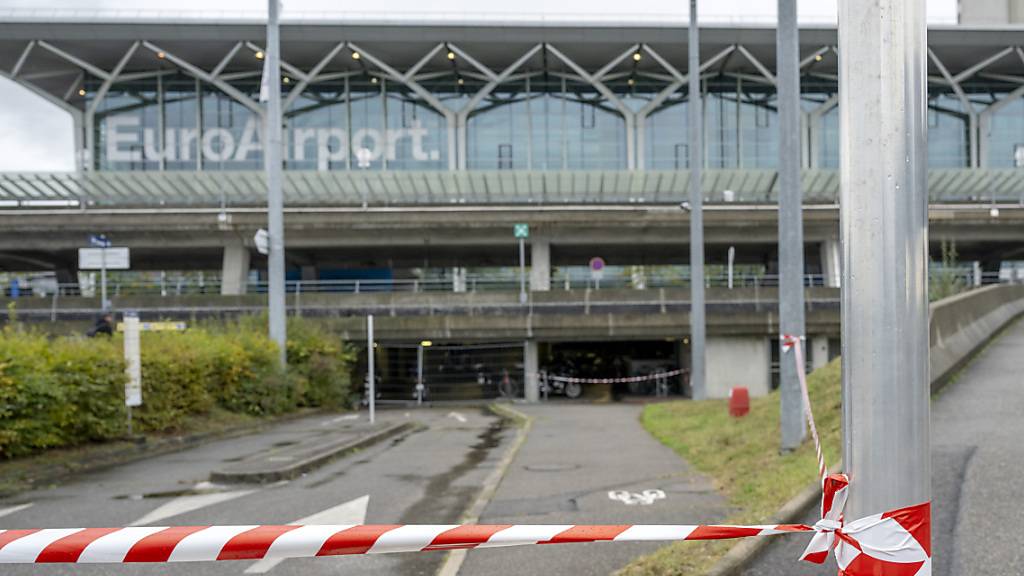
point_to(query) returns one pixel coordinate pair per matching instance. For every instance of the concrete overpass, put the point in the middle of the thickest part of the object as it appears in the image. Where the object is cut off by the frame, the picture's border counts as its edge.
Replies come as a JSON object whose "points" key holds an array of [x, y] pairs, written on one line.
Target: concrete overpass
{"points": [[206, 220]]}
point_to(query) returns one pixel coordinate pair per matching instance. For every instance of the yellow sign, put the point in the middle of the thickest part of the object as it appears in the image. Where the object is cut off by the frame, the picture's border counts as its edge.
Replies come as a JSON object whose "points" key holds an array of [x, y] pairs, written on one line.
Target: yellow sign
{"points": [[157, 326]]}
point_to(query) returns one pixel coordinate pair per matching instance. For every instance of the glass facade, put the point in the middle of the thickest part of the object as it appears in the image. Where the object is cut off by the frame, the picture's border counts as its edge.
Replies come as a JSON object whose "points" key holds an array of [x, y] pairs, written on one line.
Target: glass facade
{"points": [[539, 120]]}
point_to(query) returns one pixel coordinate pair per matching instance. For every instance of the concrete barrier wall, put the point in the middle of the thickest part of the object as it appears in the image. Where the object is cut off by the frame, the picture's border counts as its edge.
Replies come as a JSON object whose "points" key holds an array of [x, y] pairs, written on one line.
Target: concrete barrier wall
{"points": [[963, 323]]}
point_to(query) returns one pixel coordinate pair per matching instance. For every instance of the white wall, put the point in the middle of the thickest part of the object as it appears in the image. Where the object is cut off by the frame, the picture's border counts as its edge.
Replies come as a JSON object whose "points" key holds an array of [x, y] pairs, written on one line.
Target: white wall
{"points": [[737, 361]]}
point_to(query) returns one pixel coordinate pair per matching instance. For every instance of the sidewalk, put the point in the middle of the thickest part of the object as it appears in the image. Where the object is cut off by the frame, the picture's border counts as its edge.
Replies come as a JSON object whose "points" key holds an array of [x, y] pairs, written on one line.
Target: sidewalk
{"points": [[574, 456], [977, 458]]}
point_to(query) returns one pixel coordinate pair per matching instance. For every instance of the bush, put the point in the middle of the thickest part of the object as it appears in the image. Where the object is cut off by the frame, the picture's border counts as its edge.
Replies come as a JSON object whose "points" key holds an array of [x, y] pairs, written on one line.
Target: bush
{"points": [[57, 395], [69, 391], [323, 362]]}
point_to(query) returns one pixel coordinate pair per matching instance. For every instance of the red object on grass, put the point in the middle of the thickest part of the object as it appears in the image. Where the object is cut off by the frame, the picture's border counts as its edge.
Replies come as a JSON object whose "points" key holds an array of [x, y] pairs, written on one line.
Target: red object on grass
{"points": [[739, 401]]}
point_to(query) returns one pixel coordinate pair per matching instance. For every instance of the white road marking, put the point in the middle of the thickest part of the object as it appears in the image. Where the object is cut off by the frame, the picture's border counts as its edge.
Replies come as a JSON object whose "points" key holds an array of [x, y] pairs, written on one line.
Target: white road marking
{"points": [[351, 512], [645, 498], [191, 503], [13, 509], [457, 416], [340, 419]]}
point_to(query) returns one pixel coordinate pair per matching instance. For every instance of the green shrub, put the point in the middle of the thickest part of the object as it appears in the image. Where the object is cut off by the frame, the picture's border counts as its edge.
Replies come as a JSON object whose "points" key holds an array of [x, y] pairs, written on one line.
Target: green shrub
{"points": [[323, 361], [57, 395], [70, 390]]}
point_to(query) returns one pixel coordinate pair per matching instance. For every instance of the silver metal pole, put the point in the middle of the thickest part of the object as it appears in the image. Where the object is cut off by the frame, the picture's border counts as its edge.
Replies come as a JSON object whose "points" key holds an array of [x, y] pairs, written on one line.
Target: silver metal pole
{"points": [[696, 213], [732, 261], [419, 375], [371, 376], [791, 228], [104, 304], [884, 232], [522, 271], [275, 199]]}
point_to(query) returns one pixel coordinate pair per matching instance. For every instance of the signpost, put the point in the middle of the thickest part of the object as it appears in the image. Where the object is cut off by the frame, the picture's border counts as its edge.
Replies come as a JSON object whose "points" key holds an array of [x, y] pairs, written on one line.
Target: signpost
{"points": [[522, 232], [132, 328], [371, 382], [262, 241], [103, 257], [596, 271], [133, 365]]}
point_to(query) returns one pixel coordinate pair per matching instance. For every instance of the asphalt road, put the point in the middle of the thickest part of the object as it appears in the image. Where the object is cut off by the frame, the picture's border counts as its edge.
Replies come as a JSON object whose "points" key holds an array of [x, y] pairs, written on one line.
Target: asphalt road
{"points": [[977, 460], [573, 458], [428, 476]]}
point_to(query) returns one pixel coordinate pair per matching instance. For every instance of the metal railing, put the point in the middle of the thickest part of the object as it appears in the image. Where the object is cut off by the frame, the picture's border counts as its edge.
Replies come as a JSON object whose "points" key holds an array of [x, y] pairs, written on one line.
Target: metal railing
{"points": [[960, 277]]}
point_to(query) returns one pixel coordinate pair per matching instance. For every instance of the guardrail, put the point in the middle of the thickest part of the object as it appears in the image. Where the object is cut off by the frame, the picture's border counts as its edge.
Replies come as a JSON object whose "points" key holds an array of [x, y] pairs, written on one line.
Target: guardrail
{"points": [[168, 190], [957, 278]]}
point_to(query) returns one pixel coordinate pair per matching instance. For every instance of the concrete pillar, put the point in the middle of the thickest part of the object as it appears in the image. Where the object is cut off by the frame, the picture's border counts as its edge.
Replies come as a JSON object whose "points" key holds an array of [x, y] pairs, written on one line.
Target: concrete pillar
{"points": [[540, 265], [459, 279], [235, 270], [531, 366], [818, 346], [738, 361], [830, 267]]}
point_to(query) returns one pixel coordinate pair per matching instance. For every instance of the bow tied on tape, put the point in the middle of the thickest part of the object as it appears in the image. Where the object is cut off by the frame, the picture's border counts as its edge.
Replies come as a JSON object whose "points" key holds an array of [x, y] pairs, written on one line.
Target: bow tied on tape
{"points": [[833, 499]]}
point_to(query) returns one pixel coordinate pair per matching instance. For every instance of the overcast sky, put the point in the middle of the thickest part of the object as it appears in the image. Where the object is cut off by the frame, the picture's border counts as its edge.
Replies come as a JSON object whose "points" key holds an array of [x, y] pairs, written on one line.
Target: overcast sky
{"points": [[37, 136]]}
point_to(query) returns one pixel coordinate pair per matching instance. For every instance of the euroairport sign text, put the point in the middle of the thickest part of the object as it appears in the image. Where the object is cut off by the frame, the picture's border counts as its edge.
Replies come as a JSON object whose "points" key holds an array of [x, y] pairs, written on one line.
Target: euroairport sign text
{"points": [[125, 142]]}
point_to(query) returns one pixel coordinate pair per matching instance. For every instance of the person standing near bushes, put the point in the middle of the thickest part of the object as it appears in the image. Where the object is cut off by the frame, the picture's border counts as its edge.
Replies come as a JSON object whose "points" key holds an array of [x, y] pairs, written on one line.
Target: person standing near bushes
{"points": [[104, 325]]}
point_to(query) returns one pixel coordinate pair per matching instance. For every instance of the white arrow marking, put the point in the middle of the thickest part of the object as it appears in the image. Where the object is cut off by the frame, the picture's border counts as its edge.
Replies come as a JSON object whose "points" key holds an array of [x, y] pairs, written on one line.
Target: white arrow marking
{"points": [[351, 512], [340, 419], [13, 509], [457, 416], [188, 504]]}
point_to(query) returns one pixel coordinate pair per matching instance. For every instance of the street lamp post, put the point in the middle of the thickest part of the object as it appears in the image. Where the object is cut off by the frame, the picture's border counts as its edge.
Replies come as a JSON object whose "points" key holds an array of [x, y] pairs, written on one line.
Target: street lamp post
{"points": [[275, 199], [884, 232], [696, 213], [791, 235]]}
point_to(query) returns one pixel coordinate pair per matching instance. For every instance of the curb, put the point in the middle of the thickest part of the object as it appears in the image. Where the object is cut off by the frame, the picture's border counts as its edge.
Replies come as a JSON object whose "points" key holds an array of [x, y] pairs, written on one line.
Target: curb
{"points": [[141, 448], [453, 561], [313, 462], [745, 551]]}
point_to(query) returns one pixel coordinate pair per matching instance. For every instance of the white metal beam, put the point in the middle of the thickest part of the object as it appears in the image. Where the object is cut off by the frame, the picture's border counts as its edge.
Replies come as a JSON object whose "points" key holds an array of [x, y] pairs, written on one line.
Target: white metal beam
{"points": [[97, 99], [972, 115], [757, 64], [21, 59], [628, 115], [411, 72], [205, 76], [600, 74], [79, 78], [422, 92], [90, 68], [971, 71], [496, 79], [813, 57], [311, 75], [293, 70], [226, 60], [680, 81], [487, 72]]}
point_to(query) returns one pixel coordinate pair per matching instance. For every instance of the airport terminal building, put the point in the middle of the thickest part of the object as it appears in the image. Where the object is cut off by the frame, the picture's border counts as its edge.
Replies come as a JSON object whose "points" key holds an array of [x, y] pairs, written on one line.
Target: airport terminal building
{"points": [[411, 149], [151, 97]]}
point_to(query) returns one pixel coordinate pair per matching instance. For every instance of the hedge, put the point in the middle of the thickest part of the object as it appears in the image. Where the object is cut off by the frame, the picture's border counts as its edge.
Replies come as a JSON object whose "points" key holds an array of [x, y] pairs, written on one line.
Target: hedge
{"points": [[67, 391]]}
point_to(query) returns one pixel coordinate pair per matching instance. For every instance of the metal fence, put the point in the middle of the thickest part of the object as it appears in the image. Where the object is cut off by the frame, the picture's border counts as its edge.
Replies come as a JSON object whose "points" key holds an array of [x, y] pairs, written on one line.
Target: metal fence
{"points": [[958, 278]]}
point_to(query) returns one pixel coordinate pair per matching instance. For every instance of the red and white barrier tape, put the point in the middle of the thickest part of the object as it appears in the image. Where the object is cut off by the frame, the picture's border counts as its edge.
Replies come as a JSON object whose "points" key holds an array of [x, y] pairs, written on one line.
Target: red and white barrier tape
{"points": [[206, 543], [620, 380], [896, 543]]}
